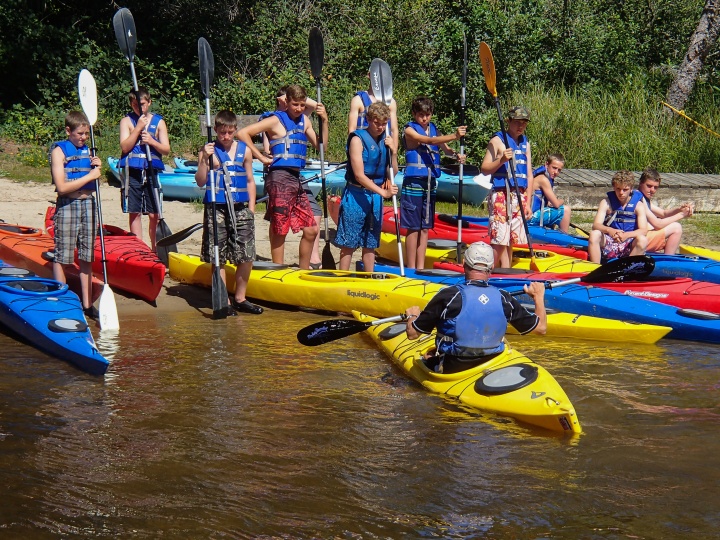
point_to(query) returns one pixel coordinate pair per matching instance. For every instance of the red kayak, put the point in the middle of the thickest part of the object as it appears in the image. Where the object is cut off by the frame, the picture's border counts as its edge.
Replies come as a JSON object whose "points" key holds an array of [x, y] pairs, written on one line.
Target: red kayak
{"points": [[471, 233], [132, 266], [683, 292], [25, 247]]}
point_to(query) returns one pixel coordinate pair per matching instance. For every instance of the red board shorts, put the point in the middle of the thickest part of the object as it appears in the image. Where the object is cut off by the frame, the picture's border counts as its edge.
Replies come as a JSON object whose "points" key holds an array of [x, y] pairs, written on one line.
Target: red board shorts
{"points": [[656, 240], [288, 206], [502, 232]]}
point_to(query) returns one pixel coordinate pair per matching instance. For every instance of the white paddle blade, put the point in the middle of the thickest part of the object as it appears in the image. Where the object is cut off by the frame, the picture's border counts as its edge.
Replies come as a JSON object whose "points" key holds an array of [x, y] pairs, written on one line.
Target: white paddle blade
{"points": [[483, 180], [107, 309], [87, 90]]}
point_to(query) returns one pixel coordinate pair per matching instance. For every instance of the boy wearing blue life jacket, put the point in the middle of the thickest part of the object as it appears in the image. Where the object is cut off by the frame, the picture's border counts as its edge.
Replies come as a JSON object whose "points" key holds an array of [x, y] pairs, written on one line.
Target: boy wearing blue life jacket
{"points": [[288, 206], [357, 117], [139, 130], [235, 192], [506, 221], [620, 226], [75, 172], [423, 143], [361, 209], [548, 210]]}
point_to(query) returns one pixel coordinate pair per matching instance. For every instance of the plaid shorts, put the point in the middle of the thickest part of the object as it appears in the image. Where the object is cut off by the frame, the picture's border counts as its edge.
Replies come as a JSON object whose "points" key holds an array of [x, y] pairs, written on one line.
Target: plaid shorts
{"points": [[75, 227], [288, 206], [236, 245]]}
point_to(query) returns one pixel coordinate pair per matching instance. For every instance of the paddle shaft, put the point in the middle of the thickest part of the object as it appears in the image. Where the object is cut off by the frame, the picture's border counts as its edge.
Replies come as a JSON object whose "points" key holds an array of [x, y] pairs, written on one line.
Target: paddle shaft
{"points": [[321, 146], [461, 169], [99, 212]]}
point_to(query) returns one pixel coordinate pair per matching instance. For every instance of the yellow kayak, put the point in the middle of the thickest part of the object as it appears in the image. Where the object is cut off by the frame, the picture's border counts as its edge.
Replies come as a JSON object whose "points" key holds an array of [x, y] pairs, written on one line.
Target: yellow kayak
{"points": [[546, 261], [700, 251], [508, 385], [381, 295]]}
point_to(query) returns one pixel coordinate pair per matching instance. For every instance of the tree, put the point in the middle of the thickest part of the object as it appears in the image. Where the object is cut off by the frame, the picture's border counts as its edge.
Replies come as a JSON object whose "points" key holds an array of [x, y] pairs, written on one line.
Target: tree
{"points": [[701, 43]]}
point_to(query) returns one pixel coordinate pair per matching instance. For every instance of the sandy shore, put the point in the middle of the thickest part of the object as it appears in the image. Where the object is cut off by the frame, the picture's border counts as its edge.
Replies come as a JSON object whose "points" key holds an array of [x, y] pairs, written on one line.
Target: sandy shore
{"points": [[26, 203]]}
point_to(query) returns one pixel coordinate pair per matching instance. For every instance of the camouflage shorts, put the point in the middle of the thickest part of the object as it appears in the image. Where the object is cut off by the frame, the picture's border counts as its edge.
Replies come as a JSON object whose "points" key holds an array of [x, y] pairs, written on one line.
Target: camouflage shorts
{"points": [[236, 245]]}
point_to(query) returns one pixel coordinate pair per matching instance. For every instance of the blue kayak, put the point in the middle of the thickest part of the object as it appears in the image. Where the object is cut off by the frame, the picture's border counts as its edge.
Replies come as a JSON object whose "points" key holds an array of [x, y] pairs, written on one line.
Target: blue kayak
{"points": [[686, 324], [48, 316], [666, 265]]}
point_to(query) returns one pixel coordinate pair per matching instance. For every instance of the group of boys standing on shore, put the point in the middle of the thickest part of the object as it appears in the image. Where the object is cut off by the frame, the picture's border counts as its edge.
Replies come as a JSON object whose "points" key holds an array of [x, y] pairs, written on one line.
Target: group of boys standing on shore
{"points": [[620, 227]]}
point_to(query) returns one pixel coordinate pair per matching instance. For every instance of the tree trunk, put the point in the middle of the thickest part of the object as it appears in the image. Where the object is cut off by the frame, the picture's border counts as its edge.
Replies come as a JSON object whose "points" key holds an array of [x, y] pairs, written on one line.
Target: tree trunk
{"points": [[701, 44]]}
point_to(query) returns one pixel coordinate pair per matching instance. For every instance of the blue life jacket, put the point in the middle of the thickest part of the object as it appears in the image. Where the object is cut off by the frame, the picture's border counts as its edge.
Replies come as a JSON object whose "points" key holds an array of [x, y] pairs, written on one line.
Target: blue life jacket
{"points": [[375, 158], [539, 199], [362, 122], [232, 174], [77, 162], [426, 157], [479, 328], [623, 217], [137, 158], [291, 149], [521, 168]]}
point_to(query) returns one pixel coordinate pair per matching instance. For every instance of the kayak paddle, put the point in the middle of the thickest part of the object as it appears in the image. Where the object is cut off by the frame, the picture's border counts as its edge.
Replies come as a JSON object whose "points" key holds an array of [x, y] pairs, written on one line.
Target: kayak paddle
{"points": [[462, 150], [185, 233], [107, 309], [317, 59], [488, 67], [219, 289], [334, 329], [124, 26], [382, 88]]}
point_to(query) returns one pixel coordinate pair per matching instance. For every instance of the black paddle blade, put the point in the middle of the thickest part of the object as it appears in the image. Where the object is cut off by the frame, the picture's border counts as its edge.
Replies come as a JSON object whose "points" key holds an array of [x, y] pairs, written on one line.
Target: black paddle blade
{"points": [[124, 26], [331, 330], [171, 240], [317, 52], [328, 261], [381, 81], [163, 231], [623, 269], [207, 67], [219, 295]]}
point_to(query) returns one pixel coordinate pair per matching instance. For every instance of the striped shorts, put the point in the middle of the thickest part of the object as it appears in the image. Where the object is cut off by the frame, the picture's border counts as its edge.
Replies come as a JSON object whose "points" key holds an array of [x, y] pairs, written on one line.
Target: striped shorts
{"points": [[75, 227]]}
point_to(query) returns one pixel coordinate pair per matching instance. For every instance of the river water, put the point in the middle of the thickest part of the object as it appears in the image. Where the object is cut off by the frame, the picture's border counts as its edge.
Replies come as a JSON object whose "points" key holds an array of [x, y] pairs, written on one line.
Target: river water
{"points": [[231, 429]]}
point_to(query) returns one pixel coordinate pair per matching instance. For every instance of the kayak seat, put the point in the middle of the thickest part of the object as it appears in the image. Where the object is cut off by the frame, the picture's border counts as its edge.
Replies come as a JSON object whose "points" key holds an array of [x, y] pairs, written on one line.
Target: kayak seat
{"points": [[439, 243], [507, 379], [29, 285], [437, 272], [17, 230], [452, 220]]}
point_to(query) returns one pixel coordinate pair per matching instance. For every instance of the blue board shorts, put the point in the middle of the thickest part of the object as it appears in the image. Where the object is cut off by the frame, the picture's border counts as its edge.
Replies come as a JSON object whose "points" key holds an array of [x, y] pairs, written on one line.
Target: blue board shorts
{"points": [[140, 194], [551, 217], [360, 219], [415, 213]]}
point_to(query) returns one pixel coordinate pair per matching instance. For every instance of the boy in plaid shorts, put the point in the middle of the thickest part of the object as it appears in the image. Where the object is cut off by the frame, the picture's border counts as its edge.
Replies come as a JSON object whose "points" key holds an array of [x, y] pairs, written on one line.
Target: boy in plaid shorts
{"points": [[74, 172]]}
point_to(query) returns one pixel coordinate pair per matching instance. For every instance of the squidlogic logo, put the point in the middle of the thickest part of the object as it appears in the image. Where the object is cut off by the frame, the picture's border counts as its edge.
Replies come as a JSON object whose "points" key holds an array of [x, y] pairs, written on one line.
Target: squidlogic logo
{"points": [[363, 294]]}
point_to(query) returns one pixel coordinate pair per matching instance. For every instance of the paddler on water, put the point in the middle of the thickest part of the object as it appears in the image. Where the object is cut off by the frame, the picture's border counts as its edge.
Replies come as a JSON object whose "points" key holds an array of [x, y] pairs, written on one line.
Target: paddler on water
{"points": [[472, 317]]}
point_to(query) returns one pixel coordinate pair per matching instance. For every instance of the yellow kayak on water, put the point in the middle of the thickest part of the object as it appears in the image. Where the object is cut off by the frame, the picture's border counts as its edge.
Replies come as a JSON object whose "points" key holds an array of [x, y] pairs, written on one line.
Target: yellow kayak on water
{"points": [[382, 294], [510, 384], [546, 261]]}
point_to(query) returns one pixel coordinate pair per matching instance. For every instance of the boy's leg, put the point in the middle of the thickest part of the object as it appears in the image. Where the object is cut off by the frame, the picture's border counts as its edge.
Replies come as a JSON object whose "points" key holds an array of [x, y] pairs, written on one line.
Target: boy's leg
{"points": [[565, 222], [242, 253], [346, 254], [318, 214], [412, 240], [152, 229], [639, 245], [86, 283], [306, 245], [134, 202], [421, 249], [596, 242], [59, 272], [368, 258], [277, 246], [673, 236]]}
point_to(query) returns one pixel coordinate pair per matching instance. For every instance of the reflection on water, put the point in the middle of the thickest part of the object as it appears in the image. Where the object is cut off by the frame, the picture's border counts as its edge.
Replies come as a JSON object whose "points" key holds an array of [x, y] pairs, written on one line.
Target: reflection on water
{"points": [[209, 428]]}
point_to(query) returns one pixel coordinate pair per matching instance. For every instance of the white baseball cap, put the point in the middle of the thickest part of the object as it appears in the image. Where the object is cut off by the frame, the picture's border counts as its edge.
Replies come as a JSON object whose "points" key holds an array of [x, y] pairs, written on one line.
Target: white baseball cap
{"points": [[479, 256]]}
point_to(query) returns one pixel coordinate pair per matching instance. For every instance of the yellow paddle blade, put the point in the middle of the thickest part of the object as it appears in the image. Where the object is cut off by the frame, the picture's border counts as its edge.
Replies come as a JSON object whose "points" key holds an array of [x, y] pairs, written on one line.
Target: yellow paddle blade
{"points": [[488, 67]]}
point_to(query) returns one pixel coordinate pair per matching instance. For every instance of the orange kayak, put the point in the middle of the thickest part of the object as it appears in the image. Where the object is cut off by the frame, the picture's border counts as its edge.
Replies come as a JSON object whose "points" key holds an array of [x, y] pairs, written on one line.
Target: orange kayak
{"points": [[23, 247], [132, 266]]}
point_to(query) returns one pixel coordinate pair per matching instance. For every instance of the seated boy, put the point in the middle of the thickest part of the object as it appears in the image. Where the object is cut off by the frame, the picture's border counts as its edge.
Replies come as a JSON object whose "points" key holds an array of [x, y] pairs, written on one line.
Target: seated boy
{"points": [[620, 225], [548, 210]]}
